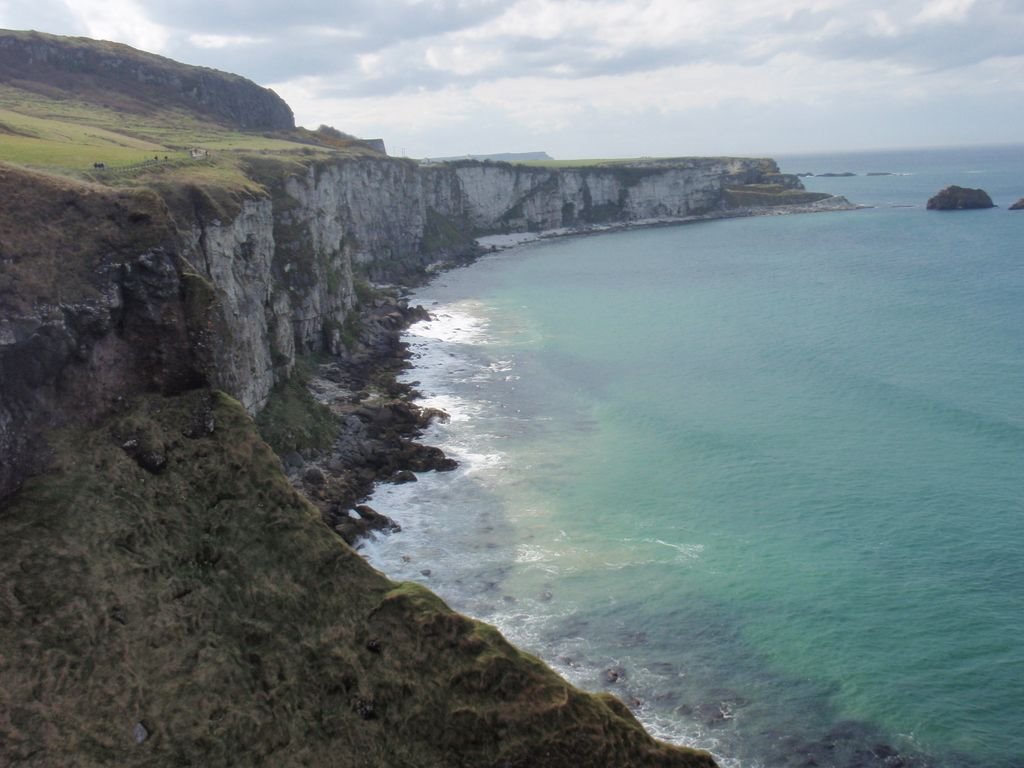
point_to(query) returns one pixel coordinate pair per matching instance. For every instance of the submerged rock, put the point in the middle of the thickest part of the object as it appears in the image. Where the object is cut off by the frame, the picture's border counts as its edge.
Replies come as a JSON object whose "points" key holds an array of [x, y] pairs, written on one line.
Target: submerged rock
{"points": [[954, 198]]}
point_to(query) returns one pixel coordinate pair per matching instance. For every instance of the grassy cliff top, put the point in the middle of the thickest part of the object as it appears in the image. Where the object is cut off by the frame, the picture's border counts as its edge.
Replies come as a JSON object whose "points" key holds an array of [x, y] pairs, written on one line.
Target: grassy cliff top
{"points": [[69, 104]]}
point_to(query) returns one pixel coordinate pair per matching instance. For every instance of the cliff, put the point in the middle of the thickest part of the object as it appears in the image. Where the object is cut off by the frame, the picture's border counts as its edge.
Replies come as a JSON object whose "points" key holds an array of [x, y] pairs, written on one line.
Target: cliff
{"points": [[165, 595], [511, 198], [93, 314], [147, 567]]}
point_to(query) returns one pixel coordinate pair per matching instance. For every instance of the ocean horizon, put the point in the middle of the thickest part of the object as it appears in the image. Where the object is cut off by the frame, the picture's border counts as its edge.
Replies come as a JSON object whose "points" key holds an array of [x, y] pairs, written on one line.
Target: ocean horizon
{"points": [[760, 478]]}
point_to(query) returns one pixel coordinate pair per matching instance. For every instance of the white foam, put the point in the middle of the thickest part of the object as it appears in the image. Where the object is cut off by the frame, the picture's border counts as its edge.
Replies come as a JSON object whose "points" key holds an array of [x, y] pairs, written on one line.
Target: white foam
{"points": [[499, 242], [530, 553], [459, 323], [687, 551]]}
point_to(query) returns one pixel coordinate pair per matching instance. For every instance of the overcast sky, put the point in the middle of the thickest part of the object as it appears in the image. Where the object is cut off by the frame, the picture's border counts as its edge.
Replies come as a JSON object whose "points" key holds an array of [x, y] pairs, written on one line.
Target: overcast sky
{"points": [[600, 78]]}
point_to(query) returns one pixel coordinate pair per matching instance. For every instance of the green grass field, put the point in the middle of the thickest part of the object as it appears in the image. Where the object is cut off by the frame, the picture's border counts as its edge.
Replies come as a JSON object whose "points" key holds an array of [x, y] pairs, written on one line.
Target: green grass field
{"points": [[56, 134]]}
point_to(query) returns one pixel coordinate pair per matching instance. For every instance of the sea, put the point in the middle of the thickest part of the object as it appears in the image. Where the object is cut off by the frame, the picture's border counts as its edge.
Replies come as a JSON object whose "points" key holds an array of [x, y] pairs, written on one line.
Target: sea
{"points": [[762, 478]]}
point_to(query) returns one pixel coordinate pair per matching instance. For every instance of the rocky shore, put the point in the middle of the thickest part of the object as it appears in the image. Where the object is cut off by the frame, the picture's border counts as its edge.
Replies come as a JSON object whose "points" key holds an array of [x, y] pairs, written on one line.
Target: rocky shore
{"points": [[826, 204], [377, 425], [377, 420]]}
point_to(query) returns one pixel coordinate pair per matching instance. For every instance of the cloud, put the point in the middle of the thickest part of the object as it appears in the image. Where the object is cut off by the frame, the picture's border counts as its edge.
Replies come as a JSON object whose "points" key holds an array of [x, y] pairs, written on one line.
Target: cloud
{"points": [[225, 41]]}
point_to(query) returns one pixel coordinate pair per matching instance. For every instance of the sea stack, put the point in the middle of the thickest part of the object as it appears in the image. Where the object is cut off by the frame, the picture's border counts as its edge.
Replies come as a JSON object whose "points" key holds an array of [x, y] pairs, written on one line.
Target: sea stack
{"points": [[956, 198], [1018, 206]]}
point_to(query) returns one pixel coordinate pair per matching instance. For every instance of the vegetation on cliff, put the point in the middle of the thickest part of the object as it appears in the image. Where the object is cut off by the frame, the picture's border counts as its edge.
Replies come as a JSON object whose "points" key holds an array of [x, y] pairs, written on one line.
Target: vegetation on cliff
{"points": [[109, 114], [768, 195], [168, 599]]}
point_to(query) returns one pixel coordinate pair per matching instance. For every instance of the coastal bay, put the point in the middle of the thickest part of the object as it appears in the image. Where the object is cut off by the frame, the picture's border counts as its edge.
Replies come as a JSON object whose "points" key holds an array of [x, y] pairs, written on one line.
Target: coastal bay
{"points": [[767, 571]]}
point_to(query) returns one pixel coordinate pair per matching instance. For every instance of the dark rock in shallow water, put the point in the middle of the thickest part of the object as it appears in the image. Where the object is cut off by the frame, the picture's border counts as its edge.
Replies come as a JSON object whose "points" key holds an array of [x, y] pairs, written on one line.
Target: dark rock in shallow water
{"points": [[1018, 206], [364, 520], [614, 674], [956, 198]]}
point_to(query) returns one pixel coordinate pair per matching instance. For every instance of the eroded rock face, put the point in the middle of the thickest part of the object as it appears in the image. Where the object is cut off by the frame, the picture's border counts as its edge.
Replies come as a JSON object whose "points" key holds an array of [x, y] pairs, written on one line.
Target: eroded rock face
{"points": [[91, 310], [285, 268], [130, 290], [954, 198], [1018, 206], [514, 198]]}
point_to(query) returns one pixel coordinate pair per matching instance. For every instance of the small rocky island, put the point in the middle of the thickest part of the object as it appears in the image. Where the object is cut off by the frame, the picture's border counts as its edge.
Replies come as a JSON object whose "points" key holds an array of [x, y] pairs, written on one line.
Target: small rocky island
{"points": [[954, 198], [1018, 206]]}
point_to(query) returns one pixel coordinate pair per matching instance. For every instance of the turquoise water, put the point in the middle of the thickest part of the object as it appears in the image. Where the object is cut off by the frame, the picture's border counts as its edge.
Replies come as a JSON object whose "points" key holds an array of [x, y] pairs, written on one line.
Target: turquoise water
{"points": [[765, 473]]}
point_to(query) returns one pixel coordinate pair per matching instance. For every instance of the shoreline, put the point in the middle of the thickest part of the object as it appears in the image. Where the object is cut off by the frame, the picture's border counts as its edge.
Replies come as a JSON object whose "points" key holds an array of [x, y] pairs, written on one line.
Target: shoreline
{"points": [[379, 421], [382, 418], [832, 204], [593, 667]]}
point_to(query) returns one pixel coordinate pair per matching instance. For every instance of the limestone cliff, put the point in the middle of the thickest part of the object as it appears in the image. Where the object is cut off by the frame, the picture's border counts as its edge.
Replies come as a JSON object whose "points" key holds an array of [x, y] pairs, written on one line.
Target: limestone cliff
{"points": [[281, 268], [503, 197], [166, 598]]}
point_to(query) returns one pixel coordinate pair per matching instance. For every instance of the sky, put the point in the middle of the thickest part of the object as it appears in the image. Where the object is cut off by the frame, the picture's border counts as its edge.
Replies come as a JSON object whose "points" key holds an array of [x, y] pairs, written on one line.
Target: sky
{"points": [[599, 78]]}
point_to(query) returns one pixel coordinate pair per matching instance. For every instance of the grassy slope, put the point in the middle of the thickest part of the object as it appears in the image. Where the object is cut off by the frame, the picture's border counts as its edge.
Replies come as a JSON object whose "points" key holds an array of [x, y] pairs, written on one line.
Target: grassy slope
{"points": [[208, 604], [56, 133]]}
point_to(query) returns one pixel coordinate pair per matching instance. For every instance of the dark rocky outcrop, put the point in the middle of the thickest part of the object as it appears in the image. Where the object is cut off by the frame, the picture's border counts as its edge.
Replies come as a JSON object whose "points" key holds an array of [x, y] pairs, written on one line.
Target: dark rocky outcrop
{"points": [[1018, 206], [91, 310], [954, 198], [115, 74]]}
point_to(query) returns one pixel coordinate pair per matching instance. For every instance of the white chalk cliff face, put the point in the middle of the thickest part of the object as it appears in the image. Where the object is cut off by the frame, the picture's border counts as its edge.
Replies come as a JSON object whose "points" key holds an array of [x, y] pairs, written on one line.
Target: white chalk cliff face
{"points": [[517, 198], [284, 268], [279, 274]]}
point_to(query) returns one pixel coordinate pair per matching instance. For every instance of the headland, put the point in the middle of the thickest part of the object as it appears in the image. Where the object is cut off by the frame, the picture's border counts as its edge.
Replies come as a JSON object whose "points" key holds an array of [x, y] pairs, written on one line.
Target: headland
{"points": [[173, 263]]}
